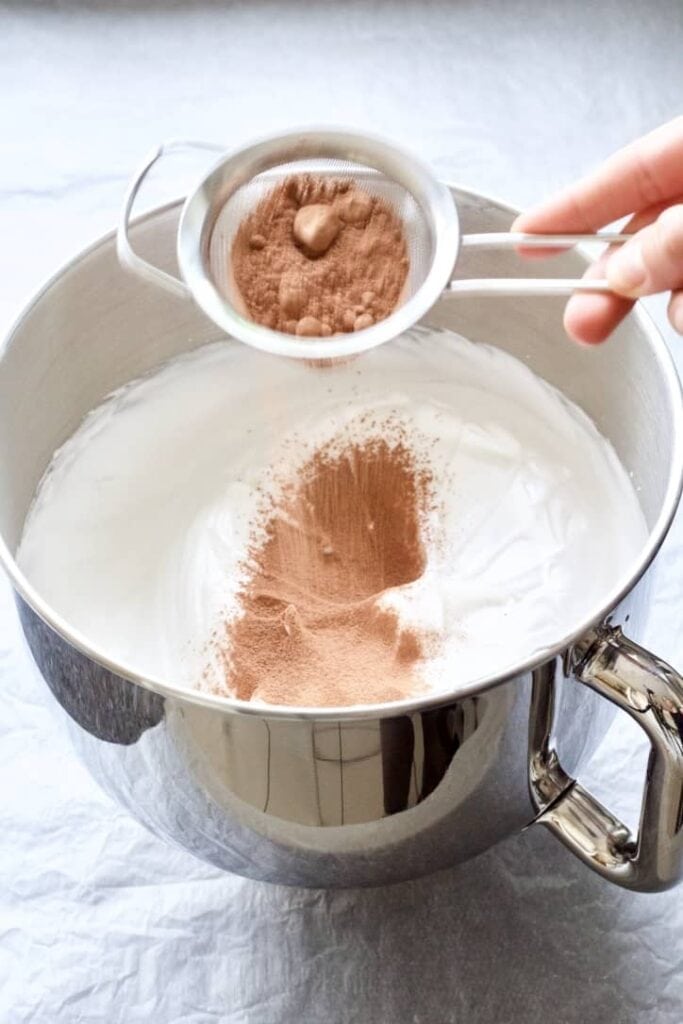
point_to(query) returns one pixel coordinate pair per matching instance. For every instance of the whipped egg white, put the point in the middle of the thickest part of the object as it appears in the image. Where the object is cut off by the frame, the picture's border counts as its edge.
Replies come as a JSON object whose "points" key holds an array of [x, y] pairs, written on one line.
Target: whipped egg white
{"points": [[139, 529]]}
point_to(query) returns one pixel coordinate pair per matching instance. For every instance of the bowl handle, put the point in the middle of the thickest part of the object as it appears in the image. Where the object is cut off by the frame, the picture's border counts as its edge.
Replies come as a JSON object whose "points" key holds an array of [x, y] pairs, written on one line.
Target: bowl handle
{"points": [[651, 692], [127, 256]]}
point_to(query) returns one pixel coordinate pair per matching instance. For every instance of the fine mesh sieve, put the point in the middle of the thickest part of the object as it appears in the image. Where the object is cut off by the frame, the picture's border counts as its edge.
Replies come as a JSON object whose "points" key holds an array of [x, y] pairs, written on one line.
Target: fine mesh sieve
{"points": [[420, 241], [213, 213]]}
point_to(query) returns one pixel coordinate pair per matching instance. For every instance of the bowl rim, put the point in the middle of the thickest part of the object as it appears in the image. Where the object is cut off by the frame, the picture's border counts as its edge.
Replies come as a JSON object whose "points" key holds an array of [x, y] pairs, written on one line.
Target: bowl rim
{"points": [[231, 705]]}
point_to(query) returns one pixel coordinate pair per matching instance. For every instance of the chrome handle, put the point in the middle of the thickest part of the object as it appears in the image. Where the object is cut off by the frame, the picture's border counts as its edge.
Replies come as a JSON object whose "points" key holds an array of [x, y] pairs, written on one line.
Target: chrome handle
{"points": [[127, 256], [525, 286], [530, 285], [651, 692], [527, 240]]}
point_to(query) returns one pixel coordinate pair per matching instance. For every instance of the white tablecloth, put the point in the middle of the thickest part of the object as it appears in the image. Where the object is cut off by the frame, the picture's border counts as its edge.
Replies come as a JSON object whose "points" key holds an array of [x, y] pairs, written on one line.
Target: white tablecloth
{"points": [[101, 922]]}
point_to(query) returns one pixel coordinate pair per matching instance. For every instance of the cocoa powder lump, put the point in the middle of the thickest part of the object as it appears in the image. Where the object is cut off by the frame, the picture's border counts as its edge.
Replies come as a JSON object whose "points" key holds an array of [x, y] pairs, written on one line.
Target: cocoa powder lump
{"points": [[320, 256]]}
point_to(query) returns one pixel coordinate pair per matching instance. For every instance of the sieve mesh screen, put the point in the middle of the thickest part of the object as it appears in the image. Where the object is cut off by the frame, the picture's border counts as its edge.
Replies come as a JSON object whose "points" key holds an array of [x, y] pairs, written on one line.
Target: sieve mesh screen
{"points": [[243, 200]]}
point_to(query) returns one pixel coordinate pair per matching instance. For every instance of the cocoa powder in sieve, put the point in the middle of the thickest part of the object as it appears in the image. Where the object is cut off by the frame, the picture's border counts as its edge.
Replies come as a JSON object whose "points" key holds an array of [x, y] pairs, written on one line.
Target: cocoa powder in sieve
{"points": [[320, 256], [311, 630]]}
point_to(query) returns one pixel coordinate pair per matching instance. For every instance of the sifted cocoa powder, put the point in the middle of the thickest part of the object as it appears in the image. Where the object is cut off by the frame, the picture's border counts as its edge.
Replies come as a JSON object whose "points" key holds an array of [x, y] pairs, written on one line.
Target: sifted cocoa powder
{"points": [[319, 256], [311, 630]]}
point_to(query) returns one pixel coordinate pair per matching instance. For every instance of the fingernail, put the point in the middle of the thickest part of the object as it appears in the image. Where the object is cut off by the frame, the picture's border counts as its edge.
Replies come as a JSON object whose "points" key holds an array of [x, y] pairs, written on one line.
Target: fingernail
{"points": [[676, 316], [626, 270]]}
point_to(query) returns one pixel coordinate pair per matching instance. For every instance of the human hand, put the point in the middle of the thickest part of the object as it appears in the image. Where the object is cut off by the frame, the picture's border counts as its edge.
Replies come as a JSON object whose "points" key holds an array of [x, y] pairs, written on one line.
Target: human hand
{"points": [[645, 179]]}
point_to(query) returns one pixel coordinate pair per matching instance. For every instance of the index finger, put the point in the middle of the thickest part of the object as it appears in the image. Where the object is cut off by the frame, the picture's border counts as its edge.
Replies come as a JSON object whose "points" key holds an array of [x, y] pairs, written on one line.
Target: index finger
{"points": [[644, 173]]}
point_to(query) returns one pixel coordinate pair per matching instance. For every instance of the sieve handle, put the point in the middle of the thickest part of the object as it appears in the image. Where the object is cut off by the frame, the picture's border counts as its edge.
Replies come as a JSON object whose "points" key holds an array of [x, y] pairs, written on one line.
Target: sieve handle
{"points": [[512, 239], [531, 285], [526, 286], [127, 256]]}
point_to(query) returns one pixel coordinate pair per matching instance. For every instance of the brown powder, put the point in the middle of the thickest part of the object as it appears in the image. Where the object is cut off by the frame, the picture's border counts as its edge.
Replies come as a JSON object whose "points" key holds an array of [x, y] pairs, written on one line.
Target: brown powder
{"points": [[311, 631], [319, 256]]}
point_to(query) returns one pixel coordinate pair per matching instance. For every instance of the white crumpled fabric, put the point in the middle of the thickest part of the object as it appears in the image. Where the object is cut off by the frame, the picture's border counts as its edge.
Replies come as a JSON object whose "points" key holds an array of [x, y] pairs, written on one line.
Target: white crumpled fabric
{"points": [[101, 922]]}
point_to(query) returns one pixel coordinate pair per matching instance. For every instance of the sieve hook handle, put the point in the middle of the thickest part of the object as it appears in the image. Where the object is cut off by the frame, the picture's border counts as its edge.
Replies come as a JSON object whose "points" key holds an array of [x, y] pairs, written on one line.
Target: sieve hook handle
{"points": [[531, 285], [127, 256]]}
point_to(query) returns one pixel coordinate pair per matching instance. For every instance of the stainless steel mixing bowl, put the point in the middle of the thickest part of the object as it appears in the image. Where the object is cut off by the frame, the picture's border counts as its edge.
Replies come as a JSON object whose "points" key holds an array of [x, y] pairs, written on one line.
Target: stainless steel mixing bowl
{"points": [[360, 797]]}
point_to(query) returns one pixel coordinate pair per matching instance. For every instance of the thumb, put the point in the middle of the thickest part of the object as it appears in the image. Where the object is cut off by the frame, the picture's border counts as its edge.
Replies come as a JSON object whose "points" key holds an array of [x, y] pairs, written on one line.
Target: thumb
{"points": [[652, 261]]}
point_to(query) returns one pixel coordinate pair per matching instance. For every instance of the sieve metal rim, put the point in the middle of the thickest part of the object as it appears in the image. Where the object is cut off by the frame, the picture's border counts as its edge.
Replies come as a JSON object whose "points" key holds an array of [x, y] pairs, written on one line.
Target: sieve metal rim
{"points": [[203, 206]]}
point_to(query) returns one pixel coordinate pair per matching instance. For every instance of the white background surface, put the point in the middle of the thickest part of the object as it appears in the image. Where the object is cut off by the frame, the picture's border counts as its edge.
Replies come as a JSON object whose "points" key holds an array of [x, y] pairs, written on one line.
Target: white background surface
{"points": [[100, 922]]}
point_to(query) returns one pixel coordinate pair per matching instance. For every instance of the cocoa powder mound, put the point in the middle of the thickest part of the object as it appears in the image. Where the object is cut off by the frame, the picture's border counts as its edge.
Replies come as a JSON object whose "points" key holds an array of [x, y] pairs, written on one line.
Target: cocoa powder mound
{"points": [[311, 630], [319, 256]]}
